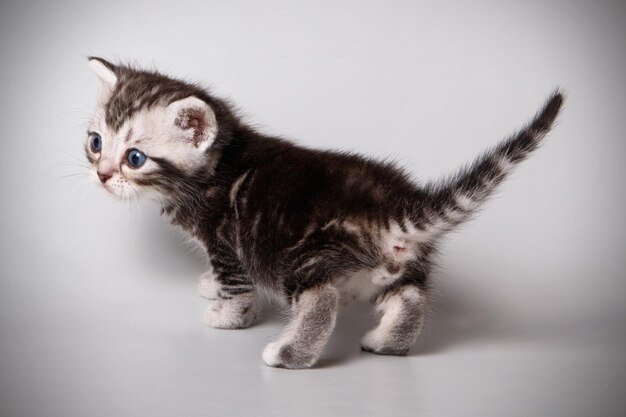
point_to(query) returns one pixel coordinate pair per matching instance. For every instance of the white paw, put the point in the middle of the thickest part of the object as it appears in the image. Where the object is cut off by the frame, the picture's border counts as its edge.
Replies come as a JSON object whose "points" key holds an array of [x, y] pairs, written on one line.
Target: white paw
{"points": [[271, 354], [208, 287], [231, 314], [372, 341], [286, 355]]}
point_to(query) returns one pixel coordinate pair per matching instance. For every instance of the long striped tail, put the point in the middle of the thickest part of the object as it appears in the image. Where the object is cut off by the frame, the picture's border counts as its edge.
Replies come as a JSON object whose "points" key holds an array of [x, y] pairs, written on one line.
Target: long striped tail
{"points": [[454, 200]]}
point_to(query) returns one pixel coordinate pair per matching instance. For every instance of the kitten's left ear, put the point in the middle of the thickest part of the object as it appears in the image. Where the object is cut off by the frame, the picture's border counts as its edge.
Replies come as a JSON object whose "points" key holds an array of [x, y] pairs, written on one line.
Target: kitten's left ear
{"points": [[194, 121], [105, 71]]}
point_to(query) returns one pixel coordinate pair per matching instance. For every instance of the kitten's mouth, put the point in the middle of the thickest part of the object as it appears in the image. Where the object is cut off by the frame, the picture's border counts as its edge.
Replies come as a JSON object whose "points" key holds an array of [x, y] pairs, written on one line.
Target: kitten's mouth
{"points": [[115, 192], [109, 190]]}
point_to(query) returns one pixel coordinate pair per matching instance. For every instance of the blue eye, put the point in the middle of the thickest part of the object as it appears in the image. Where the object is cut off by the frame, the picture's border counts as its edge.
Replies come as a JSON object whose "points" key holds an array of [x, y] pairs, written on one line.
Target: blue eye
{"points": [[136, 158], [96, 143]]}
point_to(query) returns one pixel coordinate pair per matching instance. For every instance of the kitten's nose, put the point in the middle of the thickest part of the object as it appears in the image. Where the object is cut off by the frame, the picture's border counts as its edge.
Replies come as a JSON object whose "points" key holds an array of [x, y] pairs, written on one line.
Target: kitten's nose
{"points": [[104, 176], [105, 169]]}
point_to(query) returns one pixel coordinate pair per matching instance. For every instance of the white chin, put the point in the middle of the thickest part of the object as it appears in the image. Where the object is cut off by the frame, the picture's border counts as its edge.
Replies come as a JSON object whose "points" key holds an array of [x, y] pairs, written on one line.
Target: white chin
{"points": [[119, 194]]}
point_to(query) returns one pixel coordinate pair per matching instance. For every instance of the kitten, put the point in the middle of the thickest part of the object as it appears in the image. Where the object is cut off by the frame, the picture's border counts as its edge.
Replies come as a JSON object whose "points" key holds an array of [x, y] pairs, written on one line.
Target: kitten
{"points": [[313, 227]]}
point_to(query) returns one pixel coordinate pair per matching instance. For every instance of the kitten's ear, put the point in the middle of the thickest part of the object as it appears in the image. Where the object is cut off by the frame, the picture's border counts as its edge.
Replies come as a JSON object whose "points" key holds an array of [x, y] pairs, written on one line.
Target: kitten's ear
{"points": [[194, 121], [105, 71]]}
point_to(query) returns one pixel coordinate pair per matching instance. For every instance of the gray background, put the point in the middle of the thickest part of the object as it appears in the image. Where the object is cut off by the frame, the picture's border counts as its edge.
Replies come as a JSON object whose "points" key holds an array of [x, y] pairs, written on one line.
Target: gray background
{"points": [[98, 308]]}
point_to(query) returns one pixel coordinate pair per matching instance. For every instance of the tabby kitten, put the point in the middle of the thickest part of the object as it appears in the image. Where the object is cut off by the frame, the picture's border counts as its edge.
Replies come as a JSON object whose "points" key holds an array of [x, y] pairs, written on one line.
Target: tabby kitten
{"points": [[313, 227]]}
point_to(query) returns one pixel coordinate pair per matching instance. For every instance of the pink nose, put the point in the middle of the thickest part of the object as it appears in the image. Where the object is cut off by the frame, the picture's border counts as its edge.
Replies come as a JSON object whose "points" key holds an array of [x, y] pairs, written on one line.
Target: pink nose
{"points": [[104, 176]]}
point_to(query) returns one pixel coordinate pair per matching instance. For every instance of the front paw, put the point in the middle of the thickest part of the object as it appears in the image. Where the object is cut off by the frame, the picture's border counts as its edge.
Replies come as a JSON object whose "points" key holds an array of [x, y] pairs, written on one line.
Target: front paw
{"points": [[373, 342], [231, 314], [285, 355]]}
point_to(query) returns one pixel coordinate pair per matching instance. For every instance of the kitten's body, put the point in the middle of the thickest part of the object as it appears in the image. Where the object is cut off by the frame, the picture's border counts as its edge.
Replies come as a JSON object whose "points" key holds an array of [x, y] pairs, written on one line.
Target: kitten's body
{"points": [[313, 227]]}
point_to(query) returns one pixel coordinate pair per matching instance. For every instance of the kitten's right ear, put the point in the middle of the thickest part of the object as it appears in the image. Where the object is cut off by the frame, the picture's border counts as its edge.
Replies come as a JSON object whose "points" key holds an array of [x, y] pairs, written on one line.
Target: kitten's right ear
{"points": [[105, 71]]}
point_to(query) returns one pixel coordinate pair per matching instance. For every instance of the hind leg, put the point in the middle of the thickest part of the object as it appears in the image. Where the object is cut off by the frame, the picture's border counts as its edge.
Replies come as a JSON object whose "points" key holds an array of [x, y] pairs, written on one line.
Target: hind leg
{"points": [[402, 311], [304, 338]]}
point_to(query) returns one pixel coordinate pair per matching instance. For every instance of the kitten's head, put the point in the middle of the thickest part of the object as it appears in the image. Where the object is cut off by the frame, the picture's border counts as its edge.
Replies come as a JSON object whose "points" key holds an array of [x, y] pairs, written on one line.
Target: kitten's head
{"points": [[150, 133]]}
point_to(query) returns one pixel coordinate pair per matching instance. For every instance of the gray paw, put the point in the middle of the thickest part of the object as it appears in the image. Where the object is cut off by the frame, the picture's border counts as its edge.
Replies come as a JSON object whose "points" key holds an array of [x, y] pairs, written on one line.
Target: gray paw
{"points": [[385, 350], [373, 342]]}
